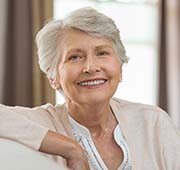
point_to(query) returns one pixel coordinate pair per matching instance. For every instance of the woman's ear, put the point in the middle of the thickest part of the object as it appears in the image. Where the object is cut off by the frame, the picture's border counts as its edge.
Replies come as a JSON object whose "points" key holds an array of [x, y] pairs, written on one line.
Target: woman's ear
{"points": [[54, 84]]}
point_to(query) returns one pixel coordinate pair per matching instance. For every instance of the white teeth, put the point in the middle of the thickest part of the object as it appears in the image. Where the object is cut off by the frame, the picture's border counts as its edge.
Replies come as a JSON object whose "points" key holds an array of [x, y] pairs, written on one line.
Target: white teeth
{"points": [[91, 83]]}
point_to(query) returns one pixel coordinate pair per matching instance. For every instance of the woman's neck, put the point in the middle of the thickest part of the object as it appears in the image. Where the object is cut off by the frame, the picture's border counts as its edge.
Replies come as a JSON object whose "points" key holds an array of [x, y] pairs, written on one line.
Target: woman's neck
{"points": [[97, 118]]}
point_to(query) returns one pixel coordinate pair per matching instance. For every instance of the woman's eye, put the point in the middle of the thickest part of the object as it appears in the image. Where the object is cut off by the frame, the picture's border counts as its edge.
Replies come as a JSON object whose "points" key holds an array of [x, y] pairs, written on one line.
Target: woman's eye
{"points": [[75, 57], [102, 53]]}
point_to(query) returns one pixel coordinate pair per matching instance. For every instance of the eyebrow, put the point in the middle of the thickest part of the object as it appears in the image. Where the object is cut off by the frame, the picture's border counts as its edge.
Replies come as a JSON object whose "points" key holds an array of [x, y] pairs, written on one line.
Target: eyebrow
{"points": [[75, 50], [79, 50], [103, 46]]}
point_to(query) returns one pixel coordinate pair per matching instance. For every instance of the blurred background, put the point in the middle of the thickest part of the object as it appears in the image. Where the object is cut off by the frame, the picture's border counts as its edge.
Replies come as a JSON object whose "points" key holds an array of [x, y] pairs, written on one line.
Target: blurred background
{"points": [[150, 31]]}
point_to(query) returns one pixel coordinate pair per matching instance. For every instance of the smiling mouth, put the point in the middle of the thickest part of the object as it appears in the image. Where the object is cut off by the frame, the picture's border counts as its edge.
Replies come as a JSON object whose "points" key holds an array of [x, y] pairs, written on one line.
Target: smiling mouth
{"points": [[92, 82]]}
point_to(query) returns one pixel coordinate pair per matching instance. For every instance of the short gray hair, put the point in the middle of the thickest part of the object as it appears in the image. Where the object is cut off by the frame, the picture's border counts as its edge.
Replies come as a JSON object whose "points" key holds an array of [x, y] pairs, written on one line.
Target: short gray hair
{"points": [[85, 19]]}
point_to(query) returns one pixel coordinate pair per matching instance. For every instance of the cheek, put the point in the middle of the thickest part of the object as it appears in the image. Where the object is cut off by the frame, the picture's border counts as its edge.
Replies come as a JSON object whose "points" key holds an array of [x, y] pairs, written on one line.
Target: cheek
{"points": [[114, 67], [62, 75], [68, 74]]}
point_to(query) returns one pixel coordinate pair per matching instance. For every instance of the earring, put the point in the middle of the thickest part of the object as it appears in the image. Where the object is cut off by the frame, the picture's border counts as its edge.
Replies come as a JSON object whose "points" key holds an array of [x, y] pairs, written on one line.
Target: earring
{"points": [[55, 85]]}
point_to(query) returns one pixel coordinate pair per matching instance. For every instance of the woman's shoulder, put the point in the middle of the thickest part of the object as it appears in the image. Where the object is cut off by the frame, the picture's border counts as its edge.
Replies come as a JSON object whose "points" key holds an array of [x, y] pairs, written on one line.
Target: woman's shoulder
{"points": [[136, 116], [43, 113], [138, 111], [120, 103], [25, 110]]}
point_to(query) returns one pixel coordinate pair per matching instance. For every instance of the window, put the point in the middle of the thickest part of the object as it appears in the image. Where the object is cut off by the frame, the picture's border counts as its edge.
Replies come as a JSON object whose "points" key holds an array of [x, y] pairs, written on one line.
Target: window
{"points": [[138, 24]]}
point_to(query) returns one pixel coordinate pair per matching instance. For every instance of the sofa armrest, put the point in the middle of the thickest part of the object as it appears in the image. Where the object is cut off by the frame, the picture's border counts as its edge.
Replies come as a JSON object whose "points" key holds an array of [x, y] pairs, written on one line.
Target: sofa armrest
{"points": [[14, 156]]}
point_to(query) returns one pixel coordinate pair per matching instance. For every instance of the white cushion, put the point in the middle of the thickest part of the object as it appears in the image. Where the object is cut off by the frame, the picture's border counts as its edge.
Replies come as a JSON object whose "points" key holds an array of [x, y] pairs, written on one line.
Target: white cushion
{"points": [[14, 156]]}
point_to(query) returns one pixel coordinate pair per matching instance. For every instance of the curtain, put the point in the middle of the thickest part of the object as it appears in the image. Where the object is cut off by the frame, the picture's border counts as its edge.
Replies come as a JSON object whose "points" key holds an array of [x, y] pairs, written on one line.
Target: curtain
{"points": [[23, 84], [42, 92], [3, 9], [169, 91]]}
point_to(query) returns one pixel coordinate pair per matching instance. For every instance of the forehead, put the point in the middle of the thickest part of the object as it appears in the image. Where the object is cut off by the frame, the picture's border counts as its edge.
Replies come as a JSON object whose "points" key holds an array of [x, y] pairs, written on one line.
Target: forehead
{"points": [[73, 38]]}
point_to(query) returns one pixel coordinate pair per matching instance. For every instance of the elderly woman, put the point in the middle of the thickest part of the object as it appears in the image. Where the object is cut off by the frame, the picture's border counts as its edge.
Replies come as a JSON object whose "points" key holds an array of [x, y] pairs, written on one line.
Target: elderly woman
{"points": [[83, 56]]}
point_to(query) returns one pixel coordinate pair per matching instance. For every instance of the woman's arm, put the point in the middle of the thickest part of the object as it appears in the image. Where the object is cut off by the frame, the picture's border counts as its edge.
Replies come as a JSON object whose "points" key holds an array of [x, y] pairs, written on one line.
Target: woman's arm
{"points": [[16, 125], [169, 136]]}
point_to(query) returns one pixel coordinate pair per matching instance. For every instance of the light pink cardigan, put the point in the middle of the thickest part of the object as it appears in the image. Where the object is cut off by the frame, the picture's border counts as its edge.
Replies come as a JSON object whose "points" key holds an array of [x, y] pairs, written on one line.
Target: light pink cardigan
{"points": [[153, 140]]}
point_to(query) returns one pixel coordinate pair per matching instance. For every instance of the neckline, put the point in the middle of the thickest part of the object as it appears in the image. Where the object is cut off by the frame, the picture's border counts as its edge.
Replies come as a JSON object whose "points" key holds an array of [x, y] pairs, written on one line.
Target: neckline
{"points": [[80, 132]]}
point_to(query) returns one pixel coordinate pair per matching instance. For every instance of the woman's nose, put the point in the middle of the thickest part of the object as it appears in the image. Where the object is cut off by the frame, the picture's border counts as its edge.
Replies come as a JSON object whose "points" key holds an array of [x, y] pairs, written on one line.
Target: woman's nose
{"points": [[91, 66]]}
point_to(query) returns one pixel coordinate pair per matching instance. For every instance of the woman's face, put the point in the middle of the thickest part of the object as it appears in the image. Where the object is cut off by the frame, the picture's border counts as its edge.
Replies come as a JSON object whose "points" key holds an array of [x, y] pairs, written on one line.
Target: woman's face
{"points": [[89, 70]]}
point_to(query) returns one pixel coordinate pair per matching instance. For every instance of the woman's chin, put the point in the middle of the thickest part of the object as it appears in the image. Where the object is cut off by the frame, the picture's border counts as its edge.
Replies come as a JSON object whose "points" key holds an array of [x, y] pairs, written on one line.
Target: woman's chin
{"points": [[94, 100]]}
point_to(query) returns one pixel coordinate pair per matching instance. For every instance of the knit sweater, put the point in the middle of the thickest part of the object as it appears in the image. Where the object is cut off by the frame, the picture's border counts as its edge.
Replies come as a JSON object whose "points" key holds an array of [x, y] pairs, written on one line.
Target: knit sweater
{"points": [[152, 138]]}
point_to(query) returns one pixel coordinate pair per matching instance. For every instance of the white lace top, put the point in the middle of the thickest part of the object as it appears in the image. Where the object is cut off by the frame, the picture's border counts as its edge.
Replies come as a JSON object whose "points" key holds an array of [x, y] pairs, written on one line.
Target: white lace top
{"points": [[83, 137]]}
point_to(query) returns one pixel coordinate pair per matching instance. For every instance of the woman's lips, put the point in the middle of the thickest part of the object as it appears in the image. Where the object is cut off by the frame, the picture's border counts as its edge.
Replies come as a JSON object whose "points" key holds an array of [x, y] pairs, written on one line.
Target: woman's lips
{"points": [[91, 83]]}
